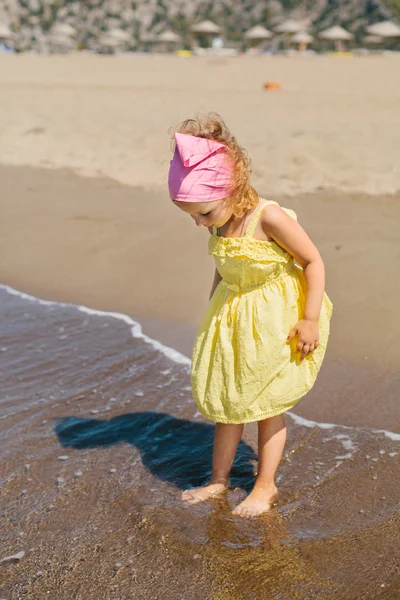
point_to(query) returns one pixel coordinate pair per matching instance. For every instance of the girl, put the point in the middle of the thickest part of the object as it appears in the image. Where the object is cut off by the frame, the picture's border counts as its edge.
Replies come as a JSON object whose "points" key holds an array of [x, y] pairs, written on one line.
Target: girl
{"points": [[262, 340]]}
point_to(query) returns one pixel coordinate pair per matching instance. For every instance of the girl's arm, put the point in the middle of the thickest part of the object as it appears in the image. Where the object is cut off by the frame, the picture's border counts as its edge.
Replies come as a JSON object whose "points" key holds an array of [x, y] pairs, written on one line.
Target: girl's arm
{"points": [[217, 276], [291, 236], [217, 279]]}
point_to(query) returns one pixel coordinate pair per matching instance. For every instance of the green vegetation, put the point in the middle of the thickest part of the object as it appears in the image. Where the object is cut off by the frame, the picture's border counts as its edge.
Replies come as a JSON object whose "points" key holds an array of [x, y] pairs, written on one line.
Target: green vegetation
{"points": [[394, 6], [235, 17], [291, 4]]}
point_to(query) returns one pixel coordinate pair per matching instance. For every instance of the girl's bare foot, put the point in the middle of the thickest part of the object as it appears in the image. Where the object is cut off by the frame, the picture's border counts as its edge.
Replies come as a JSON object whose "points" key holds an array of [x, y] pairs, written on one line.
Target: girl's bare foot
{"points": [[201, 494], [257, 502]]}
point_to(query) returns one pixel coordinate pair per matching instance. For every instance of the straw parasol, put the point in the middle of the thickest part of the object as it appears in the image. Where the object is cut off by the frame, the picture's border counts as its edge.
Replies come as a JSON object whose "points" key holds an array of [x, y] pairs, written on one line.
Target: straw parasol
{"points": [[287, 29], [373, 39], [288, 26], [114, 39], [206, 31], [108, 41], [5, 32], [119, 35], [384, 29], [63, 29], [302, 38], [62, 37], [206, 28], [336, 34], [258, 33], [148, 37], [168, 40], [169, 37], [61, 43]]}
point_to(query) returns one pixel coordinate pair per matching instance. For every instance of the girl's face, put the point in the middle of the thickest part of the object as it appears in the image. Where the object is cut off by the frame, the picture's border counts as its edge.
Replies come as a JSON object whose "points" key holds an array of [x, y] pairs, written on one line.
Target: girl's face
{"points": [[208, 214]]}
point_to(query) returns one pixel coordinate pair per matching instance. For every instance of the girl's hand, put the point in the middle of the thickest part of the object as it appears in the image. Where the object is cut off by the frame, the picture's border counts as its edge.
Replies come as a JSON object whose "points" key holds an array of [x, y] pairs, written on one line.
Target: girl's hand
{"points": [[307, 337]]}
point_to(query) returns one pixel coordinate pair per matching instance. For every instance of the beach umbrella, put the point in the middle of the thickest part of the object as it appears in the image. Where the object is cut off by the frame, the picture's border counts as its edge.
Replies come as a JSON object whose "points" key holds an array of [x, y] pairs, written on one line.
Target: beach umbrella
{"points": [[169, 37], [168, 40], [384, 29], [302, 38], [288, 26], [206, 28], [108, 41], [61, 37], [372, 39], [119, 35], [61, 43], [114, 39], [258, 33], [148, 38], [207, 32], [63, 30], [336, 34], [5, 32]]}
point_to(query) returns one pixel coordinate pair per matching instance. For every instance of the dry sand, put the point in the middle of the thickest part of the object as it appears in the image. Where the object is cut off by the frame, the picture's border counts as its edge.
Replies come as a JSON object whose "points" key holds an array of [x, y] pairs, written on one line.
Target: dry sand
{"points": [[334, 124], [332, 129]]}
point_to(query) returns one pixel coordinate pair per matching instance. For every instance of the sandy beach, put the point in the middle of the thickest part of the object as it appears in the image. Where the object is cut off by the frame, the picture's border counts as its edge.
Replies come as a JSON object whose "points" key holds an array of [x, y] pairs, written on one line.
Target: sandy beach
{"points": [[112, 247], [86, 216], [332, 125], [86, 220], [326, 146]]}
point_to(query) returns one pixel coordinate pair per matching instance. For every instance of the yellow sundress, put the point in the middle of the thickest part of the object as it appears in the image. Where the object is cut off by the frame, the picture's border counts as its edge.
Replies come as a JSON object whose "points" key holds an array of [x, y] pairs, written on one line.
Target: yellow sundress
{"points": [[243, 369]]}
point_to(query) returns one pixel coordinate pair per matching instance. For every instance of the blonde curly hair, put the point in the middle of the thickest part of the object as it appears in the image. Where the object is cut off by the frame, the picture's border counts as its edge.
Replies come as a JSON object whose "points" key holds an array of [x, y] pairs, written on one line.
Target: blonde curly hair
{"points": [[211, 126]]}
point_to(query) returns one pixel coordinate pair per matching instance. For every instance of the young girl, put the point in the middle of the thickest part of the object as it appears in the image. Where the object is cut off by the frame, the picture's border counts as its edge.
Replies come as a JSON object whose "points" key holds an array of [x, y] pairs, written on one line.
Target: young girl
{"points": [[262, 340]]}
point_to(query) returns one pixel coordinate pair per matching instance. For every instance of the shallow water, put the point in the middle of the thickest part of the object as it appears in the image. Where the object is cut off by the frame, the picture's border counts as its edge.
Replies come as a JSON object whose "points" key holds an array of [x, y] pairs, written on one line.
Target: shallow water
{"points": [[106, 521]]}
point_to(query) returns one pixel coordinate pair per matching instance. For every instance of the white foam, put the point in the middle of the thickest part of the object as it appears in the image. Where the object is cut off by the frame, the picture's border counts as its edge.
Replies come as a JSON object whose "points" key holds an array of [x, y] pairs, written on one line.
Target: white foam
{"points": [[137, 332], [136, 328], [346, 441], [178, 357], [308, 423], [345, 457]]}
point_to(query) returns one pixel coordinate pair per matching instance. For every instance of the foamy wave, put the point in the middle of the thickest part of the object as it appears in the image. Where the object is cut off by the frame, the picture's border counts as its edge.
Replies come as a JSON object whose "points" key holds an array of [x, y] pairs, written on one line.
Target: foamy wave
{"points": [[180, 358], [308, 423], [136, 328]]}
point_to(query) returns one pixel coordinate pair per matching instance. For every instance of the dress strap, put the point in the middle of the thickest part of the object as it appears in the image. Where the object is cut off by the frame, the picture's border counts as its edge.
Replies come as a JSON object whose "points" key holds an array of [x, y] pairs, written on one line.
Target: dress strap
{"points": [[215, 231], [251, 227]]}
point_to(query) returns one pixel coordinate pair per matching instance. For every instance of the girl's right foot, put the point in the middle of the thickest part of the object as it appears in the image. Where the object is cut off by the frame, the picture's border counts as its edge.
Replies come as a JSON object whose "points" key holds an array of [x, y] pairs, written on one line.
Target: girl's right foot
{"points": [[201, 494]]}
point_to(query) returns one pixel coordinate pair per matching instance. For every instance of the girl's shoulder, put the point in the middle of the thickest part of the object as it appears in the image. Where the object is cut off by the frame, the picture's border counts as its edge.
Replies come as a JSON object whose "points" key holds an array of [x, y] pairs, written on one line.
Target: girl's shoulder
{"points": [[273, 213]]}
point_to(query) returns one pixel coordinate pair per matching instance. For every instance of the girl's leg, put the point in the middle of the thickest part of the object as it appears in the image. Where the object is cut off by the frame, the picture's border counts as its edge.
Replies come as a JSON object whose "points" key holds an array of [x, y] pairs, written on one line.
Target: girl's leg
{"points": [[226, 441], [271, 441]]}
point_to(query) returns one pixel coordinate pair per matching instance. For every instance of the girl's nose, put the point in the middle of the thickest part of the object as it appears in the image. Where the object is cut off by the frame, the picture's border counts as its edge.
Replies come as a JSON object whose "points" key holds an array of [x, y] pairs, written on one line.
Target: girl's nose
{"points": [[198, 219]]}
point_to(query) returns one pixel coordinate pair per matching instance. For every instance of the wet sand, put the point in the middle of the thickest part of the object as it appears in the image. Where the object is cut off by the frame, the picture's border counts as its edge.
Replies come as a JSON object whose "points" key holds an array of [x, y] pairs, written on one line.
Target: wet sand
{"points": [[109, 246], [100, 435]]}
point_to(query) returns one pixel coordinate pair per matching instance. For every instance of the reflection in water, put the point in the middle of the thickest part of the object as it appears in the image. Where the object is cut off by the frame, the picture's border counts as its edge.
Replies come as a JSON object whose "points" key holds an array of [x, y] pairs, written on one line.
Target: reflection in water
{"points": [[260, 557]]}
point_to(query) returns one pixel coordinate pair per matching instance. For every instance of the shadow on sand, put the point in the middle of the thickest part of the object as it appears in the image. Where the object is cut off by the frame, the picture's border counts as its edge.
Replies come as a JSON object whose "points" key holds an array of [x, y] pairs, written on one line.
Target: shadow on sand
{"points": [[174, 450]]}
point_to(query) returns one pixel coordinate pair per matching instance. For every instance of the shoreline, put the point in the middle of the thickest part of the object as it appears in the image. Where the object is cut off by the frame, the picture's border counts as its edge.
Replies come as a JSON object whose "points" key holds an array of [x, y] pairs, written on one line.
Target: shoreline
{"points": [[180, 357], [121, 439], [120, 249]]}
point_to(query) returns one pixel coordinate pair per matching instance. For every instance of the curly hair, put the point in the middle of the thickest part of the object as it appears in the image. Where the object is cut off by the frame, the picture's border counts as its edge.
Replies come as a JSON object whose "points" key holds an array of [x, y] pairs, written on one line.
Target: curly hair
{"points": [[211, 126]]}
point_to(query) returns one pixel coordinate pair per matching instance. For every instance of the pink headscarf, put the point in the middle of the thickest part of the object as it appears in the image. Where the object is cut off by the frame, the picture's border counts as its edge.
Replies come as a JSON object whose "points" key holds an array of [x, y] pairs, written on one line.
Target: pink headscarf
{"points": [[200, 171]]}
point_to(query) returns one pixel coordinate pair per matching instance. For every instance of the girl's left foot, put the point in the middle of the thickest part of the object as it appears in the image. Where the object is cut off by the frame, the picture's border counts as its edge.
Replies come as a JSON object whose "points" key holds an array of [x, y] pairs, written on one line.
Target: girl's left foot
{"points": [[200, 494], [257, 502]]}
